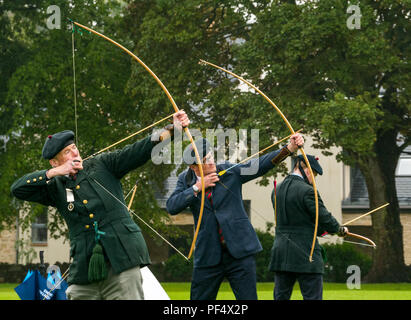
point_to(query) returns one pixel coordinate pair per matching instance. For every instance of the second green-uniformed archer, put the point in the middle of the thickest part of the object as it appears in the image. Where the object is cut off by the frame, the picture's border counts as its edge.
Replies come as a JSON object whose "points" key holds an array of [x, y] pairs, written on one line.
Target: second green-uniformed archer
{"points": [[295, 216]]}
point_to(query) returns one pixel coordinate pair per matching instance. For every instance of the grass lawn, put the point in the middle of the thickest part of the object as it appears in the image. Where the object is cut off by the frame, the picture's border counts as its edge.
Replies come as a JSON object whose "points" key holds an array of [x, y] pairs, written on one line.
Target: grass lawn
{"points": [[332, 291], [7, 291]]}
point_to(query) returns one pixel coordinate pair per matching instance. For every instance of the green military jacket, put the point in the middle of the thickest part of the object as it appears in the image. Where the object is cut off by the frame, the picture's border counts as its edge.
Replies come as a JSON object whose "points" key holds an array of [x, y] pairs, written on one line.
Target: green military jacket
{"points": [[123, 243], [295, 227]]}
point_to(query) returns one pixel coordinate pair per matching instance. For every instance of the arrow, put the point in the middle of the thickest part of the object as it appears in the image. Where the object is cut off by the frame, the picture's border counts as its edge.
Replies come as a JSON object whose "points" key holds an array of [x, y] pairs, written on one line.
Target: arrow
{"points": [[366, 214], [255, 154]]}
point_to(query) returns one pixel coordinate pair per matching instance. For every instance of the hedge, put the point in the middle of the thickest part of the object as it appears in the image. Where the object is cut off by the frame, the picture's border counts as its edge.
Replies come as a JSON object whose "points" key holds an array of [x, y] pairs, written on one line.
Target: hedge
{"points": [[177, 269]]}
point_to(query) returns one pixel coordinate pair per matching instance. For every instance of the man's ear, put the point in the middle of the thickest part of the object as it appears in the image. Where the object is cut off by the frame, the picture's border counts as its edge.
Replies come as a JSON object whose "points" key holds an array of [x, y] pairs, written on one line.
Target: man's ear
{"points": [[53, 162]]}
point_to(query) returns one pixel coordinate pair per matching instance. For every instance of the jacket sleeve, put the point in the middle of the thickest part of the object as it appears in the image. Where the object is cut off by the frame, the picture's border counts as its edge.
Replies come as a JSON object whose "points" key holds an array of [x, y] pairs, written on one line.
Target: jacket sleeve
{"points": [[256, 167], [326, 221], [181, 198], [132, 156], [33, 187]]}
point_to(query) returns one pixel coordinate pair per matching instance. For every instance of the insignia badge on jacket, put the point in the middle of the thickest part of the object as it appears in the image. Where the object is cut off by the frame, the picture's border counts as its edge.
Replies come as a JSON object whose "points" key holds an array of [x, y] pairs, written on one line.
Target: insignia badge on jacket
{"points": [[70, 199]]}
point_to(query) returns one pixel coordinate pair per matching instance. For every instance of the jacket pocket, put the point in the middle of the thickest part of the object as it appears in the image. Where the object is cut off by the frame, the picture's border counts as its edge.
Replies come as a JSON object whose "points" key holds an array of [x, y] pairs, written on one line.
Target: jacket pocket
{"points": [[131, 245], [132, 227]]}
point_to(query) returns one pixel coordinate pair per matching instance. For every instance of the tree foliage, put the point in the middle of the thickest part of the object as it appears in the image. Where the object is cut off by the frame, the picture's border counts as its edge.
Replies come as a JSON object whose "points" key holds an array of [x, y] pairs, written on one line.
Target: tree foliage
{"points": [[348, 88], [39, 98]]}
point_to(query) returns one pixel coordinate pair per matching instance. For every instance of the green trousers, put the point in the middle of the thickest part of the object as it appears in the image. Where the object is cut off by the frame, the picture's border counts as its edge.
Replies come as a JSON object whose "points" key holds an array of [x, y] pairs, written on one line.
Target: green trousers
{"points": [[127, 285]]}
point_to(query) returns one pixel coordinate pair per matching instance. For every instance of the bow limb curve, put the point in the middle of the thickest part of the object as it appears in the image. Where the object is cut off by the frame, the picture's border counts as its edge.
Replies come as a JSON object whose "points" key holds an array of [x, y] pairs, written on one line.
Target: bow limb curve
{"points": [[354, 235], [176, 109], [292, 132]]}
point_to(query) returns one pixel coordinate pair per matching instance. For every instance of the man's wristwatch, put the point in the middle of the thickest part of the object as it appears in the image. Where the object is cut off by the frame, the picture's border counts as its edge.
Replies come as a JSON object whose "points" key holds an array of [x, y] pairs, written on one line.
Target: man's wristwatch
{"points": [[195, 188]]}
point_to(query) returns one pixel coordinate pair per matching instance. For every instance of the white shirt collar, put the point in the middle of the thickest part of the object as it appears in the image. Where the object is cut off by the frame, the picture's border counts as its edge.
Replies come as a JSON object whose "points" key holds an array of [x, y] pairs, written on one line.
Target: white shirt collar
{"points": [[297, 174]]}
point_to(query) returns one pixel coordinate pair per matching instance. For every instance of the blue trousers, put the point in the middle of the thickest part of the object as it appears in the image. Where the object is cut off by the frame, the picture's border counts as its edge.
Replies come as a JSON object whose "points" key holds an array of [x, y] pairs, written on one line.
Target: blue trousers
{"points": [[311, 285], [240, 273]]}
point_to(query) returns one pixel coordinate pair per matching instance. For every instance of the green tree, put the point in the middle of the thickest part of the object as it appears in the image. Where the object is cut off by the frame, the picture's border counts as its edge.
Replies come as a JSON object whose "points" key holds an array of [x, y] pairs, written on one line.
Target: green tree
{"points": [[173, 36], [38, 98], [15, 49], [348, 88]]}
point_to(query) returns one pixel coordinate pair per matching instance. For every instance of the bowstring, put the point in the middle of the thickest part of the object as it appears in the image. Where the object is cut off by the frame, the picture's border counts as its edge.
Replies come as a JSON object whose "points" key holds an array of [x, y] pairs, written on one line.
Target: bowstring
{"points": [[74, 82], [353, 242], [131, 190], [66, 273], [76, 130], [138, 217]]}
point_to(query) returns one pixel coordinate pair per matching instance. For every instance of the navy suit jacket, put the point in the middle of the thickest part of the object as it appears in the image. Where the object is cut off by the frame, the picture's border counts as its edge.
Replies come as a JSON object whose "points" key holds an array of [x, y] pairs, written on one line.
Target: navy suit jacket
{"points": [[226, 211]]}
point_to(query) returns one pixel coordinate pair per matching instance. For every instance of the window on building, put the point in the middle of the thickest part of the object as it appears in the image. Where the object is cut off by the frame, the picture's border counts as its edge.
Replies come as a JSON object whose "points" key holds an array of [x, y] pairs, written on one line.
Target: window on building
{"points": [[39, 229], [404, 167]]}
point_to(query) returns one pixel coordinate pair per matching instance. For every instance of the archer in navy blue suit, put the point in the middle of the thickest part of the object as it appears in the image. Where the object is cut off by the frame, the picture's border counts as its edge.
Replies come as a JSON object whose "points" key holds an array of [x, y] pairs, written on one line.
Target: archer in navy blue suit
{"points": [[226, 242]]}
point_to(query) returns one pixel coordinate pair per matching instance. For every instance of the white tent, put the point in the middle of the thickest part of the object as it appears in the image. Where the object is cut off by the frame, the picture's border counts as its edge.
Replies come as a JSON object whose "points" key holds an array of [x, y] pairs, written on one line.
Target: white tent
{"points": [[151, 287]]}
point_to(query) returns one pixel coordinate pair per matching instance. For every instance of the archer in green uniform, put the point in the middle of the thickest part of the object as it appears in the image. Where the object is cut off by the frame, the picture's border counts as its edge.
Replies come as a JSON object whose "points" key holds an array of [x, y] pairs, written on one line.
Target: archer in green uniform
{"points": [[295, 206], [106, 246]]}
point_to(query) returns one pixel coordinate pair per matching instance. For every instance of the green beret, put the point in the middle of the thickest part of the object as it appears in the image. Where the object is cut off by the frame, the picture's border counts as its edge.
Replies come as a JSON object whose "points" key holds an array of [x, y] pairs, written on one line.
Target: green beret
{"points": [[203, 147], [57, 142]]}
